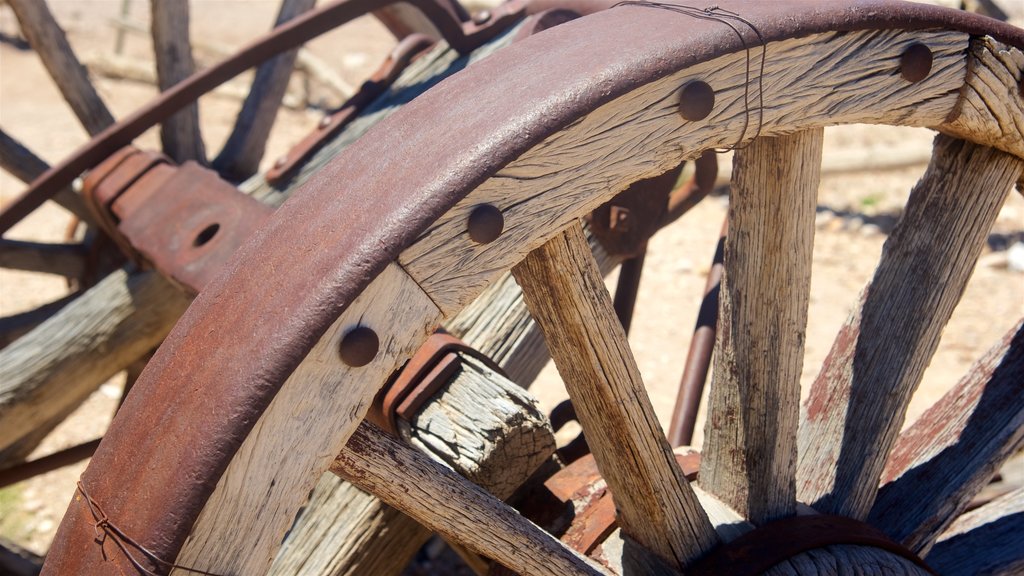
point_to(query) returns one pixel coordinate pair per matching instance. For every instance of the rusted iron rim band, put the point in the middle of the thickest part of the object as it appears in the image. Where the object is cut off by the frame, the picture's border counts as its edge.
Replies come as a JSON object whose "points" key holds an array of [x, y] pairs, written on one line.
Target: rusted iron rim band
{"points": [[758, 550], [361, 218], [462, 36]]}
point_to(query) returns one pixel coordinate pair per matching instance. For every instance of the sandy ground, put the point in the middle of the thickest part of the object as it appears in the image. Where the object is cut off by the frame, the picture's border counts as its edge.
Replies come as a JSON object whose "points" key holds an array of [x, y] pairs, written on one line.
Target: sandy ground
{"points": [[855, 213]]}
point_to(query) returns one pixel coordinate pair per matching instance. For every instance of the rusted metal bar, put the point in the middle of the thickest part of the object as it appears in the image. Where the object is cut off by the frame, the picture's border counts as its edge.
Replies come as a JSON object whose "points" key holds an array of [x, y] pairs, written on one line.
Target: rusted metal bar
{"points": [[48, 463], [627, 287], [698, 359]]}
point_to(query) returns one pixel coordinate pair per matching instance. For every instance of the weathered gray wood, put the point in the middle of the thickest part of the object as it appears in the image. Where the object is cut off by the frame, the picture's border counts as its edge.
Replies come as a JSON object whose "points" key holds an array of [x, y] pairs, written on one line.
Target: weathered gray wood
{"points": [[16, 325], [997, 528], [66, 260], [48, 40], [48, 372], [749, 456], [856, 406], [952, 451], [432, 493], [24, 165], [567, 297], [482, 425], [179, 134], [241, 155], [991, 110]]}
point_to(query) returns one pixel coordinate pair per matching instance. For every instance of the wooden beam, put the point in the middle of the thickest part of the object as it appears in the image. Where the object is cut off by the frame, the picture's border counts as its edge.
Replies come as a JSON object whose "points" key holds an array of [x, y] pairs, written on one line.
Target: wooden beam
{"points": [[48, 40], [566, 296], [997, 528], [749, 456], [955, 448], [68, 260], [856, 406], [179, 134], [241, 155], [432, 493]]}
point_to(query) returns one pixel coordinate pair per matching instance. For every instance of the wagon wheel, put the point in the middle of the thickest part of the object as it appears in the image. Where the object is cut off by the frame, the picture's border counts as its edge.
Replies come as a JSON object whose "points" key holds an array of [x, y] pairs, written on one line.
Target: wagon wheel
{"points": [[373, 264], [109, 329]]}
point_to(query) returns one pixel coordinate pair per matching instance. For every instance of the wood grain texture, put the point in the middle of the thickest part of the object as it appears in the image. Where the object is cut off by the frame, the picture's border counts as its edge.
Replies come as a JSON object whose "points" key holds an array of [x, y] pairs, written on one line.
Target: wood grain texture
{"points": [[997, 528], [566, 296], [179, 134], [24, 165], [241, 155], [810, 82], [303, 429], [48, 40], [856, 406], [749, 456], [453, 506], [991, 109], [485, 427], [48, 372], [66, 260], [954, 449]]}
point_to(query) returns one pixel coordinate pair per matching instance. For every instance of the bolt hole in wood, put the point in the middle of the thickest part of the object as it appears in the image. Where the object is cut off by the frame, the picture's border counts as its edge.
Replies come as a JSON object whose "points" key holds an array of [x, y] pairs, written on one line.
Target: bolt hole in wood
{"points": [[696, 101], [916, 62], [206, 235], [359, 346]]}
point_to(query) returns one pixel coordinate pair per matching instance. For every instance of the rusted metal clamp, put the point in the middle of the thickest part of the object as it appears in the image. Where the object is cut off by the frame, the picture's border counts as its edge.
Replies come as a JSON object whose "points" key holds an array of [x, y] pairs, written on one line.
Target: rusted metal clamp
{"points": [[429, 369], [184, 221]]}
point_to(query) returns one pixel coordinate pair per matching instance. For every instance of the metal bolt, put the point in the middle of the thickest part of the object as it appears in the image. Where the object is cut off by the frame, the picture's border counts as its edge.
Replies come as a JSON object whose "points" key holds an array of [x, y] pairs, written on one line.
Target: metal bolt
{"points": [[916, 62], [325, 122], [280, 162], [359, 346], [696, 100], [485, 224], [481, 16]]}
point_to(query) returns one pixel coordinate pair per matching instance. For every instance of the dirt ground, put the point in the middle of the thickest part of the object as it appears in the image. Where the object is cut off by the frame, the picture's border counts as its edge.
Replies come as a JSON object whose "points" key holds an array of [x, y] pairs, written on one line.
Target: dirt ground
{"points": [[856, 211]]}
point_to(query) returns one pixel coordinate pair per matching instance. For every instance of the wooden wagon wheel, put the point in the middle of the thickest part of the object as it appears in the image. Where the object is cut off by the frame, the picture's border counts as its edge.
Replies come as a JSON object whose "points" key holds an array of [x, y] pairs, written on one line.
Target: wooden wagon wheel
{"points": [[215, 453]]}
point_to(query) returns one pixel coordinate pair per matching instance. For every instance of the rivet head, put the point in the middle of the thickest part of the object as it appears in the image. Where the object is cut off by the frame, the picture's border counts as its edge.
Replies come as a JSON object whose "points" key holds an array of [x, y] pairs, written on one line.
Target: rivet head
{"points": [[359, 346], [485, 224], [325, 122], [280, 162], [696, 100], [916, 62], [481, 17]]}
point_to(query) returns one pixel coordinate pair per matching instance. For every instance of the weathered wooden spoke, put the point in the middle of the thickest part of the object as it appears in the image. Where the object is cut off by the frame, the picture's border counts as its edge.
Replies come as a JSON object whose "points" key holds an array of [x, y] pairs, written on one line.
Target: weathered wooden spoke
{"points": [[566, 296], [856, 406], [179, 134], [68, 260], [24, 165], [997, 528], [750, 437]]}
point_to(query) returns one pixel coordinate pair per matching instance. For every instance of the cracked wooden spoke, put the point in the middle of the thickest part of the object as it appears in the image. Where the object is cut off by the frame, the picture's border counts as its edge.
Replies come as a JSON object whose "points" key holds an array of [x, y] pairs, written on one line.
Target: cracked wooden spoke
{"points": [[179, 134], [750, 436], [856, 405], [451, 505], [566, 296], [954, 449], [24, 165]]}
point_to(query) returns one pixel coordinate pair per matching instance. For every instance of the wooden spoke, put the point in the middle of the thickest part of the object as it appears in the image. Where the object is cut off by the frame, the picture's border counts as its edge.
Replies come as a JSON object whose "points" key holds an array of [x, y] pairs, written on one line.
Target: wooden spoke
{"points": [[244, 149], [856, 406], [66, 260], [48, 40], [750, 437], [17, 325], [24, 165], [451, 505], [997, 528], [180, 133], [955, 448], [89, 340], [566, 295]]}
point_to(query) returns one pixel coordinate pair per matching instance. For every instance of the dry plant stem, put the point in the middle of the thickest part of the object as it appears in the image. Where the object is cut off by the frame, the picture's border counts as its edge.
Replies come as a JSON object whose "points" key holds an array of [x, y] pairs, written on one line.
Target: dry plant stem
{"points": [[955, 448], [451, 505], [566, 296], [241, 155], [48, 40], [179, 134], [856, 405], [750, 436]]}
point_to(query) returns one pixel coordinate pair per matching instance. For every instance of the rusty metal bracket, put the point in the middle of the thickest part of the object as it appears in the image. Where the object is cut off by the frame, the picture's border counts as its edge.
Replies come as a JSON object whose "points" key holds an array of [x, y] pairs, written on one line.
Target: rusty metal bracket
{"points": [[184, 221], [429, 369]]}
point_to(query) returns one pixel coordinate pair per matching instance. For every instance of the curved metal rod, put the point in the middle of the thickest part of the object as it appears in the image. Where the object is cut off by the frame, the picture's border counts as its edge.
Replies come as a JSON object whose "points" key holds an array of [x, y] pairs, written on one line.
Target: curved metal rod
{"points": [[461, 36]]}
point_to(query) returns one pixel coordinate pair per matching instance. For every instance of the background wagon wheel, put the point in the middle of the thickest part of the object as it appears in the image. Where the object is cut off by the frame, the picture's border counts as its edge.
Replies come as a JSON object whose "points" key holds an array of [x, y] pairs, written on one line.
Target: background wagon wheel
{"points": [[219, 498], [108, 329]]}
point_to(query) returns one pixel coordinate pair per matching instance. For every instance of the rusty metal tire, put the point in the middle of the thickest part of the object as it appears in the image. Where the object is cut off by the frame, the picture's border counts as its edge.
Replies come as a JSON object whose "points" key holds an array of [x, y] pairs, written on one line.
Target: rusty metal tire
{"points": [[252, 337]]}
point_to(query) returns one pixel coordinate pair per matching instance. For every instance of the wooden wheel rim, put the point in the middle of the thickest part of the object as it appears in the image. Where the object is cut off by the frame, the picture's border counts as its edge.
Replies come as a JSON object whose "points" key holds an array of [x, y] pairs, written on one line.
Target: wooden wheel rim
{"points": [[395, 260]]}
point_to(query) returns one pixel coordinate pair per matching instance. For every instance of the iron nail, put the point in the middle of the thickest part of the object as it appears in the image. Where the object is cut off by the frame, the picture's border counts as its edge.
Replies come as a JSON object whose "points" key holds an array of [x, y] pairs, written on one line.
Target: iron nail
{"points": [[485, 224], [359, 346], [916, 62], [696, 100]]}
